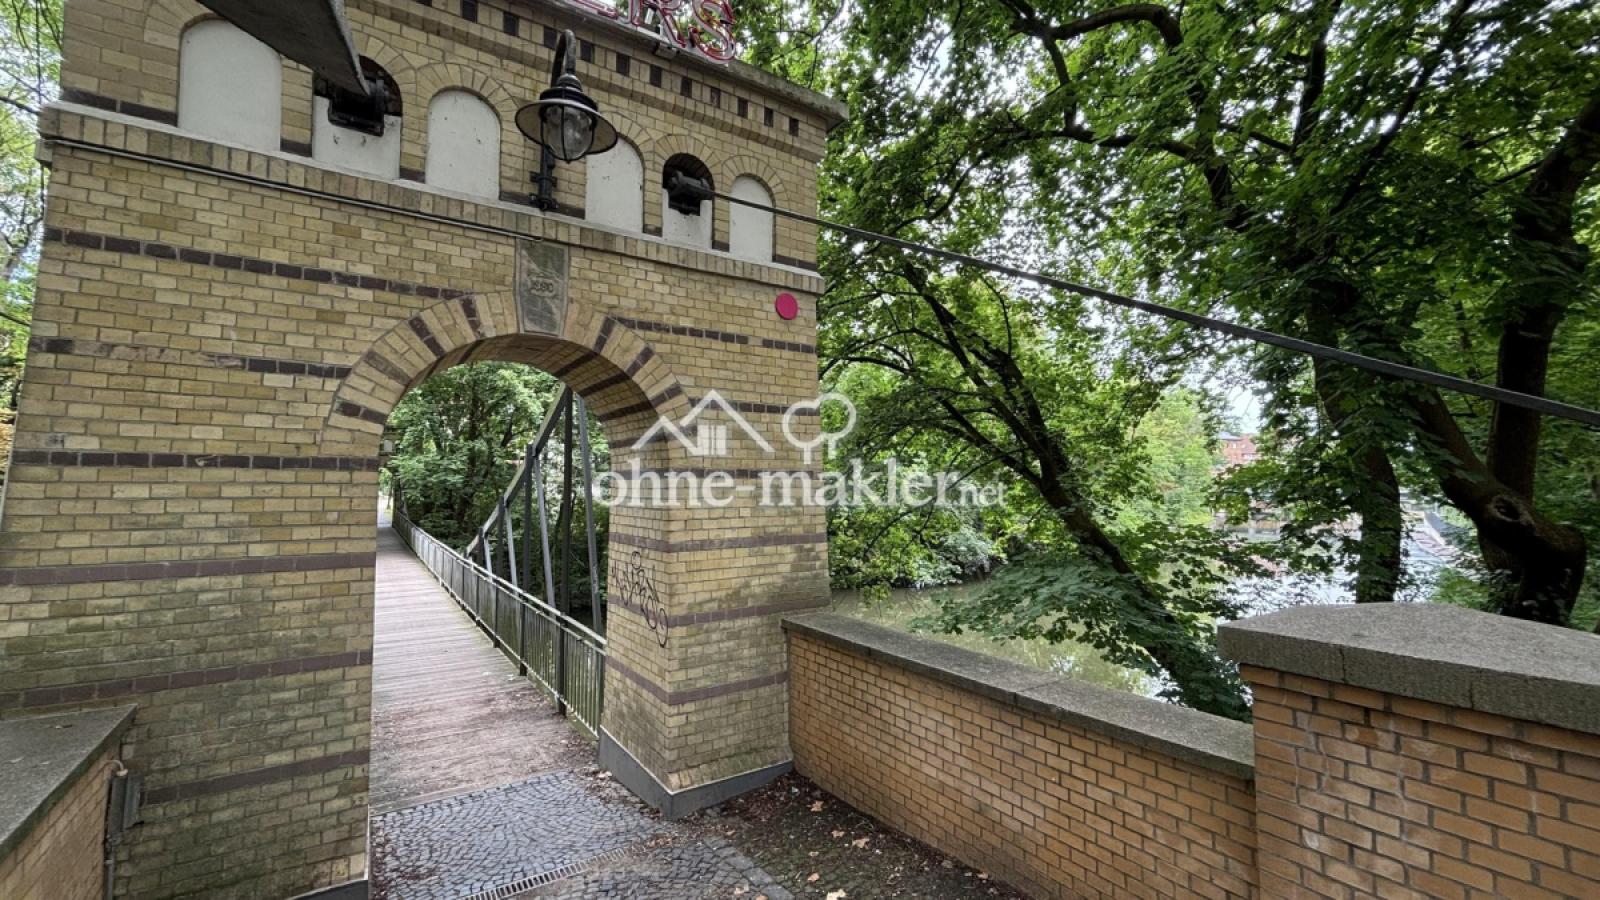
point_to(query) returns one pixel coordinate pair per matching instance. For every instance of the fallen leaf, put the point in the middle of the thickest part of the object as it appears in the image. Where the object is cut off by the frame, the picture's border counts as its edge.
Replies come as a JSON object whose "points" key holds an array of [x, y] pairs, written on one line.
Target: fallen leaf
{"points": [[812, 877], [817, 806], [838, 834], [859, 842], [835, 895]]}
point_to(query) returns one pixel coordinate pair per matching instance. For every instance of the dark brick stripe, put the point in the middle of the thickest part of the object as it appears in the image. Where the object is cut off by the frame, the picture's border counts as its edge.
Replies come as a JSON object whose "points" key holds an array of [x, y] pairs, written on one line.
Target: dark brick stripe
{"points": [[264, 364], [789, 346], [561, 373], [126, 107], [680, 698], [606, 383], [115, 688], [469, 308], [666, 395], [222, 784], [712, 334], [639, 361], [806, 264], [740, 543], [121, 459], [357, 411], [207, 568], [425, 334], [612, 415], [388, 368], [114, 244], [605, 334], [723, 615]]}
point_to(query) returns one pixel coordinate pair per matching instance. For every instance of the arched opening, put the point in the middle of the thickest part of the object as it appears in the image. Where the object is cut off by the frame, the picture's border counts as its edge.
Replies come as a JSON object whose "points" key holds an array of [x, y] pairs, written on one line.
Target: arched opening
{"points": [[686, 223], [230, 86], [614, 194], [463, 144], [751, 231], [358, 132], [497, 461], [476, 685]]}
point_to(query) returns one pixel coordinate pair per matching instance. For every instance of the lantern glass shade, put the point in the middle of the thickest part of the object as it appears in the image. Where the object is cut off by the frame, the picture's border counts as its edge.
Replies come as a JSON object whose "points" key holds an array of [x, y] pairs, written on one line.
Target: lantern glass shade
{"points": [[568, 124]]}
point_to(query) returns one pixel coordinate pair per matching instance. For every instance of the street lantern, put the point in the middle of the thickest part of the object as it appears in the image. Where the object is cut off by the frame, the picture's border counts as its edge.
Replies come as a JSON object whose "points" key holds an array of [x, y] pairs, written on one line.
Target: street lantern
{"points": [[565, 122]]}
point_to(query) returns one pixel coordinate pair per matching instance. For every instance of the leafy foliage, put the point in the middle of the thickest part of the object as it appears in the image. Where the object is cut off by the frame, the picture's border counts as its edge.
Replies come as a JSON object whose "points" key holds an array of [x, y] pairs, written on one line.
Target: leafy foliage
{"points": [[1408, 181], [459, 437], [30, 69]]}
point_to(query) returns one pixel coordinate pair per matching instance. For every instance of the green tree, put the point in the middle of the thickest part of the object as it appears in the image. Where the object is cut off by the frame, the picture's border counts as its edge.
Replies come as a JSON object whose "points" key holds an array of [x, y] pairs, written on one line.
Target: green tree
{"points": [[30, 69], [459, 437], [1412, 181]]}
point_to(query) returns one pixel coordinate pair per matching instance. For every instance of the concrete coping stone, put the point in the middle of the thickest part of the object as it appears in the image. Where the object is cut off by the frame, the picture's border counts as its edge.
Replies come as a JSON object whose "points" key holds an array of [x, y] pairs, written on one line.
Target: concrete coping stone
{"points": [[1206, 740], [1434, 652], [42, 757]]}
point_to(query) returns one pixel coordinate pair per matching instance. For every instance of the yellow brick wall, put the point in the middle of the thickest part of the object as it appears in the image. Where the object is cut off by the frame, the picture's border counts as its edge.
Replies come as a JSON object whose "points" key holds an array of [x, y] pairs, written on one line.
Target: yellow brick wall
{"points": [[126, 52], [1367, 794], [219, 335], [1055, 809], [60, 859]]}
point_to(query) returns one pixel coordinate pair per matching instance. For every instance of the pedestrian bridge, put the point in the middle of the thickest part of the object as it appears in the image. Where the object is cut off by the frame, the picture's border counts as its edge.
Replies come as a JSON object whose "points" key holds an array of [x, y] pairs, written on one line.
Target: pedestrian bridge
{"points": [[480, 785]]}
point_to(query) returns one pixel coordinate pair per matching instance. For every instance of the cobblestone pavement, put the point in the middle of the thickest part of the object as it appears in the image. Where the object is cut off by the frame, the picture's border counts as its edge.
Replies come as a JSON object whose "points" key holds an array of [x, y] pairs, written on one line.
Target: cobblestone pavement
{"points": [[474, 842]]}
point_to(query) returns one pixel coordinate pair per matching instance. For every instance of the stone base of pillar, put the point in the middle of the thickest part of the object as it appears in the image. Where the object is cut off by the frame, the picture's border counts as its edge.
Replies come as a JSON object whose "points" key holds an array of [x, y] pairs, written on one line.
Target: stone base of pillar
{"points": [[631, 774], [350, 890]]}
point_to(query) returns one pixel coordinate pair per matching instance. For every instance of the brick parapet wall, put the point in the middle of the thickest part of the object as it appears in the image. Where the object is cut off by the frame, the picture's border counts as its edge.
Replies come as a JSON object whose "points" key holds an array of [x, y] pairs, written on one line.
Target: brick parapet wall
{"points": [[1063, 789], [55, 772], [1423, 751]]}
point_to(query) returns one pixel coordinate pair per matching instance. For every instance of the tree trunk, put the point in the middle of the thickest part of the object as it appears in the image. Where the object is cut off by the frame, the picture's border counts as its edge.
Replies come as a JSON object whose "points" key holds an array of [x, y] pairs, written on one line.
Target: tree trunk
{"points": [[1541, 562]]}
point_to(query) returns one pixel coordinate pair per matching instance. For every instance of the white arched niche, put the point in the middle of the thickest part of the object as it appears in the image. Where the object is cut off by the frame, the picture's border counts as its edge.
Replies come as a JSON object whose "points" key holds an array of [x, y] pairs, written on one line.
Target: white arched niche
{"points": [[463, 145], [350, 132], [614, 194], [230, 86], [691, 225], [750, 231]]}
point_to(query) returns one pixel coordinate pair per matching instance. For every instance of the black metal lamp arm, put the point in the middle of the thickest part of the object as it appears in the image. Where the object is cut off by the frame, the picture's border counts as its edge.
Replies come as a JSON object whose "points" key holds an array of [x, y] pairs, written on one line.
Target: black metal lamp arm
{"points": [[565, 65]]}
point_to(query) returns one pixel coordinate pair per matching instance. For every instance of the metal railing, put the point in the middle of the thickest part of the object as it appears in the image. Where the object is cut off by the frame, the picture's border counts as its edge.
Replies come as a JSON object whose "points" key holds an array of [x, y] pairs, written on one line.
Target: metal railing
{"points": [[563, 657], [542, 555]]}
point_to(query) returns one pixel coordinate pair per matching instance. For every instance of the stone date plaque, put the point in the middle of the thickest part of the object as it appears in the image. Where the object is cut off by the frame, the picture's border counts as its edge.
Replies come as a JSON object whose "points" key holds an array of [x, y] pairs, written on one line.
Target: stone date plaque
{"points": [[541, 286]]}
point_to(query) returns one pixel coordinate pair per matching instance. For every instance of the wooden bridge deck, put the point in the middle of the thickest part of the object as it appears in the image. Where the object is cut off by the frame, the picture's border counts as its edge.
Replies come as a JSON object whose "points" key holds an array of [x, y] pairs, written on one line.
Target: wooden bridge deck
{"points": [[449, 712]]}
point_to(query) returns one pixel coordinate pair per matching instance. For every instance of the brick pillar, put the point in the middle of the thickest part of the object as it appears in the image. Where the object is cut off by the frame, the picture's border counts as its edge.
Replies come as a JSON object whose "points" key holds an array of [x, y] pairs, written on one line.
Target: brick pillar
{"points": [[1422, 751]]}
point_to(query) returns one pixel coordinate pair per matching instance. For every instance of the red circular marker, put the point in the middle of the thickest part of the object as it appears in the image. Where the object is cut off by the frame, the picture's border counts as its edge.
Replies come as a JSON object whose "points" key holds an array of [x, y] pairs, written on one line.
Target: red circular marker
{"points": [[787, 306]]}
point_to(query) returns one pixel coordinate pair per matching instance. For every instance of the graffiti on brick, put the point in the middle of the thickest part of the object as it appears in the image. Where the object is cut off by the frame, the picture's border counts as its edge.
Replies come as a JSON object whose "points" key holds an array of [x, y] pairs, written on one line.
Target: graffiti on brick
{"points": [[634, 584], [541, 286]]}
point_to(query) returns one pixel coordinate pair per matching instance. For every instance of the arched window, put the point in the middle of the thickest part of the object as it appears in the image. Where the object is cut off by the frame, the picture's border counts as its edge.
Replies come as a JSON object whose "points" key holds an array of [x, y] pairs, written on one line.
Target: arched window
{"points": [[356, 131], [615, 192], [686, 224], [463, 145], [750, 230], [230, 86]]}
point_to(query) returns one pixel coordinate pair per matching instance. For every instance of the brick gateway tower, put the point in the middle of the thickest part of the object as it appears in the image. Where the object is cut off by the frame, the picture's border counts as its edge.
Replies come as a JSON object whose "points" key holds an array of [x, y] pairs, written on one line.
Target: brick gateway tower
{"points": [[241, 278]]}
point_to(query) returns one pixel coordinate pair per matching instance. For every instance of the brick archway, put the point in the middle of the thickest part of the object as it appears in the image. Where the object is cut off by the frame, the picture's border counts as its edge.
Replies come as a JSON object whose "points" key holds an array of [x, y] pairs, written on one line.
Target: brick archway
{"points": [[622, 378]]}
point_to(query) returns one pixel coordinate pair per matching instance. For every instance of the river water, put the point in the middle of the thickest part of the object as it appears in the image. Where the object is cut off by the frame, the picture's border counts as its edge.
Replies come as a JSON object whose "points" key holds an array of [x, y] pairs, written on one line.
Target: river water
{"points": [[1256, 596]]}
